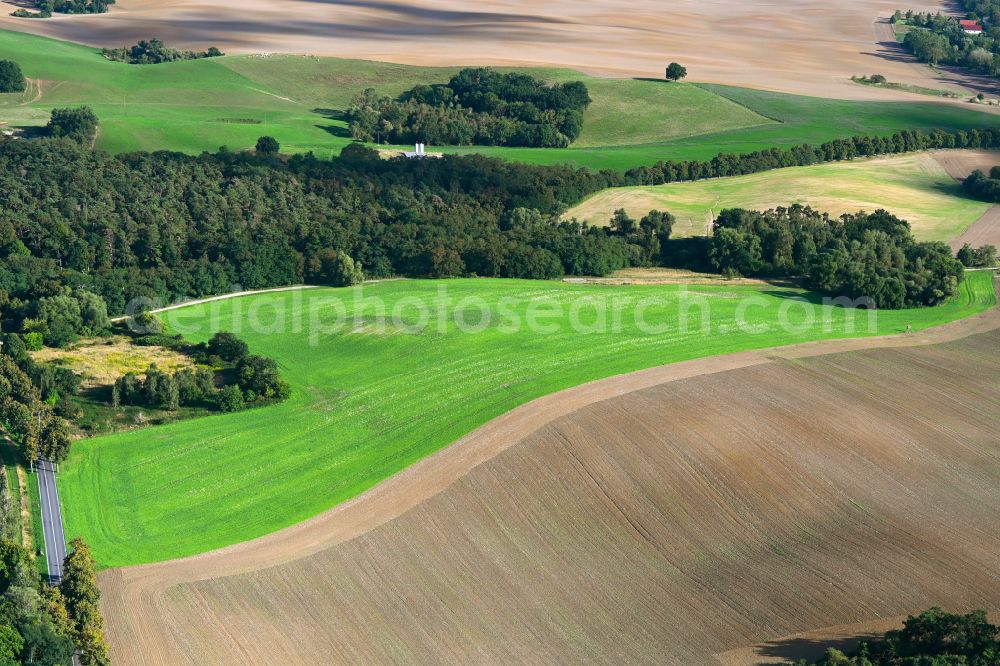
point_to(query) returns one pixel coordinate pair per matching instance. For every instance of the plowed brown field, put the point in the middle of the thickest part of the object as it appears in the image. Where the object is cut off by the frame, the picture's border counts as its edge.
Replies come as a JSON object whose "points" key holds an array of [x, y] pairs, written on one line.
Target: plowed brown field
{"points": [[661, 517], [803, 46]]}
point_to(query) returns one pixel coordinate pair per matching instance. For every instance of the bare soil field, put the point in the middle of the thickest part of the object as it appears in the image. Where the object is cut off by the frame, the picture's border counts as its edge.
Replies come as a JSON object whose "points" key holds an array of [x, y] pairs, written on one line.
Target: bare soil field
{"points": [[805, 46], [666, 516], [960, 163]]}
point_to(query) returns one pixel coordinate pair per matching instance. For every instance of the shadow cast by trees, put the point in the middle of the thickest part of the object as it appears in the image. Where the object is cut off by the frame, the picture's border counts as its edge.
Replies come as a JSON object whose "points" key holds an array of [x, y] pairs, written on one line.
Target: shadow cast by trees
{"points": [[336, 115], [792, 649]]}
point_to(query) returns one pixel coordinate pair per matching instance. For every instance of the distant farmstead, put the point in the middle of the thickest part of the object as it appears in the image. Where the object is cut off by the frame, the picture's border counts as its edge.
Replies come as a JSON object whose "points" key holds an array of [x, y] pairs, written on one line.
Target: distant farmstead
{"points": [[971, 27]]}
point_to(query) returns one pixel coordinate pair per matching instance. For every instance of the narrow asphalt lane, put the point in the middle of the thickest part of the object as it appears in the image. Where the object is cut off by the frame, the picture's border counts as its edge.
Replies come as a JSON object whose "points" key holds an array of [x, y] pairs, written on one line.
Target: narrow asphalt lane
{"points": [[52, 523]]}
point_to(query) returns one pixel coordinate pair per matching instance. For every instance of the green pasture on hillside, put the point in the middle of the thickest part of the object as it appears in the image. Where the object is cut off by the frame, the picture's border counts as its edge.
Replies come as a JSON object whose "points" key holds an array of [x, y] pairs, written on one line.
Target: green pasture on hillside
{"points": [[380, 392], [200, 105]]}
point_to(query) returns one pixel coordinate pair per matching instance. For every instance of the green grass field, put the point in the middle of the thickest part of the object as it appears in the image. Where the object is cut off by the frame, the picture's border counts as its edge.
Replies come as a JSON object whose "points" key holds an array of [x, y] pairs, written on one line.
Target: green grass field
{"points": [[374, 396], [37, 534], [200, 105], [914, 187]]}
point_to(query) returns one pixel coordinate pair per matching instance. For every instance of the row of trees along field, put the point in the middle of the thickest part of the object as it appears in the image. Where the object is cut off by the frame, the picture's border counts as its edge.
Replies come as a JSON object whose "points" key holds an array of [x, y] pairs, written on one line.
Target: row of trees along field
{"points": [[932, 638], [939, 39], [47, 7], [47, 625], [477, 106]]}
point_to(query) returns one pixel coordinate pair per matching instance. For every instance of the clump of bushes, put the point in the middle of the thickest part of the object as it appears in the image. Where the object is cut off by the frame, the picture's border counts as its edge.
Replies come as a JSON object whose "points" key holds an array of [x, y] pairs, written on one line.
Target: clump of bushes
{"points": [[155, 52], [478, 106], [873, 80]]}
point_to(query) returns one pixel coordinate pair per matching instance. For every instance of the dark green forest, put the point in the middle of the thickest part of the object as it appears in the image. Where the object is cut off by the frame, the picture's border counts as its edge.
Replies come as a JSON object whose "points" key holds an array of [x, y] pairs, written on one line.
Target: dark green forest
{"points": [[478, 106]]}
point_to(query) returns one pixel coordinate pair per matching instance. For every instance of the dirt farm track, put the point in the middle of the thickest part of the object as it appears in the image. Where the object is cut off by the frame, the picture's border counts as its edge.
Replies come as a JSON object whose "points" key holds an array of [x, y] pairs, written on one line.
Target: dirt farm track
{"points": [[805, 46], [677, 515]]}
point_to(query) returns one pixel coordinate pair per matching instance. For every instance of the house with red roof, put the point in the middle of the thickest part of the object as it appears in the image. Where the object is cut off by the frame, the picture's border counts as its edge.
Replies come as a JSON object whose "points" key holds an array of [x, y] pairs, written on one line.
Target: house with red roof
{"points": [[971, 27]]}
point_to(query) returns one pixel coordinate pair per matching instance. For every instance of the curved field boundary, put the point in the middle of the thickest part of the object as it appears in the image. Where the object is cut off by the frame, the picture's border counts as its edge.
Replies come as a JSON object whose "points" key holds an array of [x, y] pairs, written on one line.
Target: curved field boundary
{"points": [[134, 597], [221, 297]]}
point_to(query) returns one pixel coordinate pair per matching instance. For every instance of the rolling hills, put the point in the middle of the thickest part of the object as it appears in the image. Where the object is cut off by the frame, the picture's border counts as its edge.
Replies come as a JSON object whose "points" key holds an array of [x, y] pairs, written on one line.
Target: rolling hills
{"points": [[201, 105]]}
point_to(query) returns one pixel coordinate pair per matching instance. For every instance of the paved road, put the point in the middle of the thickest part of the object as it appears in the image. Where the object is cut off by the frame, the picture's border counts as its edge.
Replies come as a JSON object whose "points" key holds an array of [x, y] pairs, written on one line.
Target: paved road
{"points": [[52, 523]]}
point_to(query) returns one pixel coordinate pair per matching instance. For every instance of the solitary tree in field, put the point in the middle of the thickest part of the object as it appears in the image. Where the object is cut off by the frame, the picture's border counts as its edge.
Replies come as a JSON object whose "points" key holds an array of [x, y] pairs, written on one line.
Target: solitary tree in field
{"points": [[676, 71], [11, 78], [268, 145]]}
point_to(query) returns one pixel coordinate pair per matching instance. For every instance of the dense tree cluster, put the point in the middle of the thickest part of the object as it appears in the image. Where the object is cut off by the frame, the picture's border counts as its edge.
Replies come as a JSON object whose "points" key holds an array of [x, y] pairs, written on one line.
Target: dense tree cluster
{"points": [[255, 378], [982, 186], [803, 155], [984, 256], [79, 124], [79, 589], [35, 627], [477, 106], [161, 390], [66, 315], [11, 78], [154, 52], [940, 39], [47, 7], [932, 638], [861, 256]]}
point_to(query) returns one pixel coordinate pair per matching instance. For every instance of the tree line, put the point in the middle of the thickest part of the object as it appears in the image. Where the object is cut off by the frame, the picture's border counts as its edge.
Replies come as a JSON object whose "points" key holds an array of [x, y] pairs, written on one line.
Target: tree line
{"points": [[478, 106], [932, 638], [804, 155], [47, 7], [154, 52]]}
